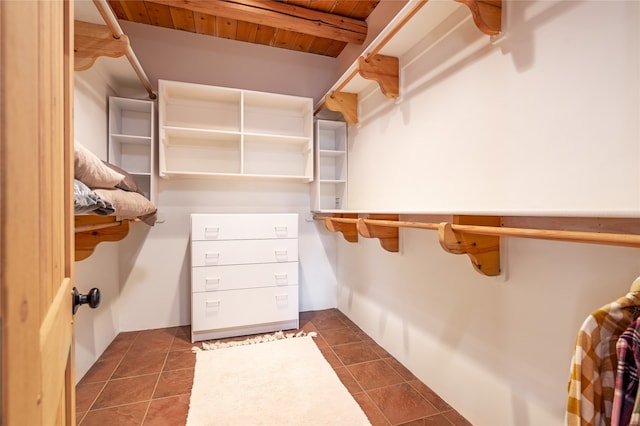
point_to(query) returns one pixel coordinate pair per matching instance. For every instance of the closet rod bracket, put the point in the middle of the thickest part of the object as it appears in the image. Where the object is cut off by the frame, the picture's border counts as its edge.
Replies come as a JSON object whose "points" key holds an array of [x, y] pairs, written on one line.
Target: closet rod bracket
{"points": [[483, 250], [347, 226], [344, 103], [93, 41], [384, 70], [388, 236], [92, 230], [487, 15]]}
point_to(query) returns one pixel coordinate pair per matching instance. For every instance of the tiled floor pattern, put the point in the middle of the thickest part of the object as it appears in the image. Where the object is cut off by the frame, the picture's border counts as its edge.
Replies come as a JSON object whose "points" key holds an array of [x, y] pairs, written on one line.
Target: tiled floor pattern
{"points": [[145, 378]]}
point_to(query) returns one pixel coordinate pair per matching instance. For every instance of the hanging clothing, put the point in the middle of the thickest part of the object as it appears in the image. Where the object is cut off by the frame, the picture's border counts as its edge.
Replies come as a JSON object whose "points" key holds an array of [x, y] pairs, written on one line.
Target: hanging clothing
{"points": [[594, 363], [626, 388]]}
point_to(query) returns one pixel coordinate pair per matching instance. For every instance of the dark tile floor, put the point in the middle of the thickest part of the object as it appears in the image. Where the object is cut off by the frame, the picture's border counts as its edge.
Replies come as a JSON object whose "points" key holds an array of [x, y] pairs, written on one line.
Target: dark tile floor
{"points": [[145, 378]]}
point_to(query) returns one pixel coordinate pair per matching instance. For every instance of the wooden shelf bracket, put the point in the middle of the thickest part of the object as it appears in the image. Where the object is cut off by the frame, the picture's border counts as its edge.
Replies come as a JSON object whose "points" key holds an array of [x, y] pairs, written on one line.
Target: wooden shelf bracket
{"points": [[483, 250], [91, 230], [345, 103], [383, 69], [388, 236], [487, 15], [345, 224], [92, 41]]}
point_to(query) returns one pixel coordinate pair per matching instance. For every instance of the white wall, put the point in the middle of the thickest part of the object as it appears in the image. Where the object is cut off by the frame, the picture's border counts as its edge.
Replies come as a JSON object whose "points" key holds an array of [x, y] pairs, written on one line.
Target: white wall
{"points": [[94, 328], [155, 262], [196, 58], [147, 283], [545, 121], [496, 349]]}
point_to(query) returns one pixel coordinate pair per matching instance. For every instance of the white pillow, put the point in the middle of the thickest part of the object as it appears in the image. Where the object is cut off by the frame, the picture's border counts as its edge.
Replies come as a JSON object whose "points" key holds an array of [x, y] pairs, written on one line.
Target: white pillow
{"points": [[90, 170]]}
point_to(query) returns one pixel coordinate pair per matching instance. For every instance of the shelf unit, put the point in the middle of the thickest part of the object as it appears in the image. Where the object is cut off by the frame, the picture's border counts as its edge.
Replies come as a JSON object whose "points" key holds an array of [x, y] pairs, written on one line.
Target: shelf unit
{"points": [[131, 140], [209, 131], [329, 189]]}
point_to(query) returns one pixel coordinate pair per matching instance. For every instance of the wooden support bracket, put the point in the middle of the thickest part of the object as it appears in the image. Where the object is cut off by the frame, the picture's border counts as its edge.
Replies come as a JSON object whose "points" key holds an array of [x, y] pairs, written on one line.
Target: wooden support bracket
{"points": [[92, 41], [92, 230], [487, 15], [483, 250], [388, 236], [383, 69], [348, 227], [345, 103]]}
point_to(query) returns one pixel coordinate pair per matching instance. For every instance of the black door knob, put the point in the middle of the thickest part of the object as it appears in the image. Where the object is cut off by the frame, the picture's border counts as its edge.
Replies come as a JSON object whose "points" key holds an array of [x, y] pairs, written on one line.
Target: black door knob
{"points": [[92, 299]]}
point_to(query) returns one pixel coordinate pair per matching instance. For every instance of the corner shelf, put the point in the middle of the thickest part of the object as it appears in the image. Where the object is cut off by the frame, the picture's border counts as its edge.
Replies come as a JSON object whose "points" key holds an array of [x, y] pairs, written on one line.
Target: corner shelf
{"points": [[329, 190], [132, 140], [218, 132]]}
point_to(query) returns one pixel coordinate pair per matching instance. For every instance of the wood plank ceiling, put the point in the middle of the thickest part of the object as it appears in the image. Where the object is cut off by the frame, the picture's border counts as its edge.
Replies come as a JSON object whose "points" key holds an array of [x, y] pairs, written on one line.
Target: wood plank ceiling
{"points": [[322, 27]]}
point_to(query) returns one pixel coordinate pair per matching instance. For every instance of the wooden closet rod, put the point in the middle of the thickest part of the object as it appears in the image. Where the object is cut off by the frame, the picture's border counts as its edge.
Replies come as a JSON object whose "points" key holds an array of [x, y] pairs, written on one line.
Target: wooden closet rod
{"points": [[96, 226], [626, 240], [476, 236], [378, 44], [117, 32]]}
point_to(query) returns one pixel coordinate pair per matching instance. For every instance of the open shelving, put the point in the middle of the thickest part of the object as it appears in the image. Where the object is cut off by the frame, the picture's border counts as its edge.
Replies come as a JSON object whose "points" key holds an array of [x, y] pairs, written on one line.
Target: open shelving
{"points": [[329, 190], [131, 140], [208, 131]]}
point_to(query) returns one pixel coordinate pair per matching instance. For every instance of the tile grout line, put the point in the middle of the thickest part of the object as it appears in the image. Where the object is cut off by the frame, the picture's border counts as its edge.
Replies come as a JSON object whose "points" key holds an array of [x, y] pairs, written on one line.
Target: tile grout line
{"points": [[166, 356], [399, 373], [356, 380], [108, 378]]}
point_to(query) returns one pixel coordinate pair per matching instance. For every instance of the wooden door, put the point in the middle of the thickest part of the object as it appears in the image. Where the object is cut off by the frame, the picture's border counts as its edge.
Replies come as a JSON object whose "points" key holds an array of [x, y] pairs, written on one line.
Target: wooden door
{"points": [[36, 227]]}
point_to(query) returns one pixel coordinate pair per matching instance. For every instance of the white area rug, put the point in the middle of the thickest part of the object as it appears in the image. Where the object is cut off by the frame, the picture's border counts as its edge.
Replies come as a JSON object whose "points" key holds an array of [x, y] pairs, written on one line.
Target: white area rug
{"points": [[274, 383]]}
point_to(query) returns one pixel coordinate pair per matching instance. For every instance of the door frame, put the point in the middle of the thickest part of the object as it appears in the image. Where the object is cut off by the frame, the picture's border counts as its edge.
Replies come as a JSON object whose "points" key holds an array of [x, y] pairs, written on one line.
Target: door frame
{"points": [[36, 214]]}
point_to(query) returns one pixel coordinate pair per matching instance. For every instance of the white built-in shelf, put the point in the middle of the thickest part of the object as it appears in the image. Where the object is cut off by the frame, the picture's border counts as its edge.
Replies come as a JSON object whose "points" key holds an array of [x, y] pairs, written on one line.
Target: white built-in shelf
{"points": [[415, 29], [132, 140], [329, 189], [208, 131]]}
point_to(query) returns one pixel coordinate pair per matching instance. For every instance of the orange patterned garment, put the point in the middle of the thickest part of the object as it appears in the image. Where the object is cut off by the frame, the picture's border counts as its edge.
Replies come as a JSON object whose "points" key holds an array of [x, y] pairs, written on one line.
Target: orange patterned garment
{"points": [[594, 362]]}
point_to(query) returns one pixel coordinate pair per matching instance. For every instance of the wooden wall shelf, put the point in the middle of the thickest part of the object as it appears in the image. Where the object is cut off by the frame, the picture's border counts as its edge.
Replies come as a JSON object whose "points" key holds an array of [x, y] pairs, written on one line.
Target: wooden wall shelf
{"points": [[479, 236], [92, 40], [383, 68]]}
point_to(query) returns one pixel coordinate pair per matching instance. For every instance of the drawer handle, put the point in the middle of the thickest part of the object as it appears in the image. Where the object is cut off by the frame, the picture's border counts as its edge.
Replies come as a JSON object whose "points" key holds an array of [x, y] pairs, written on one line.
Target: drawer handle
{"points": [[212, 304], [282, 299], [282, 279], [211, 283], [211, 231], [281, 231], [211, 258], [282, 255]]}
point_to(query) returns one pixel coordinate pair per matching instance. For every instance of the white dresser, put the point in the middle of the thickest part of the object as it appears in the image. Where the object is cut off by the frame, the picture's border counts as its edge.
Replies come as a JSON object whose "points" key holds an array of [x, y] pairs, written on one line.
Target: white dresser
{"points": [[244, 274]]}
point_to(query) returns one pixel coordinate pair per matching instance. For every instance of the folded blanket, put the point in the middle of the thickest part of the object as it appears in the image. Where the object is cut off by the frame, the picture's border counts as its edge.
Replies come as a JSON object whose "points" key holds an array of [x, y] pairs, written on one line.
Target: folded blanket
{"points": [[87, 201]]}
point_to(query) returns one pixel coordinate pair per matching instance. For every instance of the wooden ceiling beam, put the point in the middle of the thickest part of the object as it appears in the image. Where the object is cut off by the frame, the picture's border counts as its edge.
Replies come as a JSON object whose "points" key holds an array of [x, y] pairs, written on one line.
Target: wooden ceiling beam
{"points": [[283, 16]]}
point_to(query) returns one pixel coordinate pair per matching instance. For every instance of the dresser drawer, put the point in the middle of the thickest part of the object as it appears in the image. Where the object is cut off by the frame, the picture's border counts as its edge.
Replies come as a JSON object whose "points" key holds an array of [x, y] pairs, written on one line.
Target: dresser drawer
{"points": [[229, 277], [234, 252], [243, 226], [238, 308]]}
